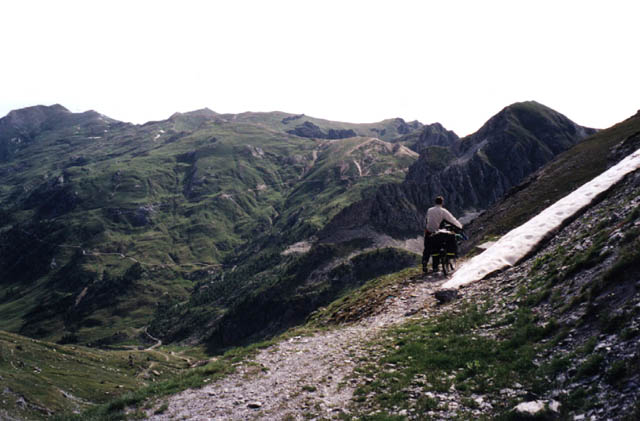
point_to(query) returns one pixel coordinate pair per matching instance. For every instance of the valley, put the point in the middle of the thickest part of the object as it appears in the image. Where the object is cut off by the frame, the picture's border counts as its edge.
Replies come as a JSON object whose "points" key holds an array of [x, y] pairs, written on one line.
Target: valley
{"points": [[226, 251]]}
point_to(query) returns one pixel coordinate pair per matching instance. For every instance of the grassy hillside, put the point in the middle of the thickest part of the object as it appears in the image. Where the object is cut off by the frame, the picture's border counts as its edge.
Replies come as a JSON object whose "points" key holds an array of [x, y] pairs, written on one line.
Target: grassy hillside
{"points": [[101, 221], [40, 378]]}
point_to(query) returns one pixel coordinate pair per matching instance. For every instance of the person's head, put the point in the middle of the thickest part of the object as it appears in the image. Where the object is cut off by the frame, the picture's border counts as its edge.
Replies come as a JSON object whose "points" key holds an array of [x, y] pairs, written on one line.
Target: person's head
{"points": [[439, 200]]}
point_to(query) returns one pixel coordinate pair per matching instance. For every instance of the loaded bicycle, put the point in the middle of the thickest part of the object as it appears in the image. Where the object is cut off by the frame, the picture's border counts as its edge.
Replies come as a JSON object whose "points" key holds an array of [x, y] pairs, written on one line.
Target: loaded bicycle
{"points": [[444, 247]]}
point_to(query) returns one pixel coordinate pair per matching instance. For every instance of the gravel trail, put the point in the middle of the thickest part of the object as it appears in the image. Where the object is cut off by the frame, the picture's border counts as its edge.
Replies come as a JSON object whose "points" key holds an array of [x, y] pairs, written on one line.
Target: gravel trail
{"points": [[302, 375]]}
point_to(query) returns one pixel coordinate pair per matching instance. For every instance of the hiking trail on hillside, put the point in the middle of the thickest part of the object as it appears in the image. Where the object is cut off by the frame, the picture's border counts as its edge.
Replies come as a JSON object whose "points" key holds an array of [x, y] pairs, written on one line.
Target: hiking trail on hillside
{"points": [[303, 373], [312, 376]]}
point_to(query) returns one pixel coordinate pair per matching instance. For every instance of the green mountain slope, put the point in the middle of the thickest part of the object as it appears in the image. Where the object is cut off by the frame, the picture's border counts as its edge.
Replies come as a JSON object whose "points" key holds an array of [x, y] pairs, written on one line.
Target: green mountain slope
{"points": [[101, 220], [40, 378], [268, 294]]}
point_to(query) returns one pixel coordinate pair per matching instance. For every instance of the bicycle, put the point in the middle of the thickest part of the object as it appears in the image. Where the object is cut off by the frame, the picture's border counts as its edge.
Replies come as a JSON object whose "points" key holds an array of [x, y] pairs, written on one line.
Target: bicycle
{"points": [[446, 249]]}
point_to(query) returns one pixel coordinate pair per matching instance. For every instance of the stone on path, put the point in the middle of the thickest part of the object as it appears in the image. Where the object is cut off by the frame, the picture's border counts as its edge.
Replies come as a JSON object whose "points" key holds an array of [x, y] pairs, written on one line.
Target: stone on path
{"points": [[445, 295]]}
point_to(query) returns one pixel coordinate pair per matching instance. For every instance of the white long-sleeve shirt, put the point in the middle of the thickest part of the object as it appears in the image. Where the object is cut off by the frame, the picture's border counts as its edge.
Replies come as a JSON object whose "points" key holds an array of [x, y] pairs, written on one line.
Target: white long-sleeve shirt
{"points": [[436, 214]]}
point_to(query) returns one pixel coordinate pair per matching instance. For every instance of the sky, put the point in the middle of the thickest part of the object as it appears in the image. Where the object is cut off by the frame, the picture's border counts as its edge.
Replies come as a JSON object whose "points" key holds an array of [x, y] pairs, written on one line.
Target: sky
{"points": [[453, 62]]}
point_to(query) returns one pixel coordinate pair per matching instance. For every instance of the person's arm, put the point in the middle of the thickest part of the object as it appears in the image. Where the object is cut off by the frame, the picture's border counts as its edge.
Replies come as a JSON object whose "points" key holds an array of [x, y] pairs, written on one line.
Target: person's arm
{"points": [[450, 218]]}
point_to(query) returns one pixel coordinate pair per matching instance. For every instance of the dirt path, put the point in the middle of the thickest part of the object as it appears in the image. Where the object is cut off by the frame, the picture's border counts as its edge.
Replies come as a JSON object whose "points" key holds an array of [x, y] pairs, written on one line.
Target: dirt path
{"points": [[154, 346], [300, 376]]}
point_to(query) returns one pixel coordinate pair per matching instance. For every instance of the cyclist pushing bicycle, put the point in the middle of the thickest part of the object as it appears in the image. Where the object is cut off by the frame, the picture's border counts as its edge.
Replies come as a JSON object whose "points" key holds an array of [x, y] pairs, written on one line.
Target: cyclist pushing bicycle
{"points": [[435, 240]]}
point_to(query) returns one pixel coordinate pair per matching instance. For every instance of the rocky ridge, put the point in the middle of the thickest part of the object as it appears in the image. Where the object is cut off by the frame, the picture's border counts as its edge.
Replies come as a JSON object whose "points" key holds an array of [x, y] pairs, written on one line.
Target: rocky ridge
{"points": [[472, 173]]}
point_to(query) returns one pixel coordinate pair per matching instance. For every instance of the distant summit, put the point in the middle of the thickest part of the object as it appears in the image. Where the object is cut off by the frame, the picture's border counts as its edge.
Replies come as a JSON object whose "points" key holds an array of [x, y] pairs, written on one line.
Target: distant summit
{"points": [[202, 113], [431, 135], [22, 126], [26, 120], [471, 173], [482, 167]]}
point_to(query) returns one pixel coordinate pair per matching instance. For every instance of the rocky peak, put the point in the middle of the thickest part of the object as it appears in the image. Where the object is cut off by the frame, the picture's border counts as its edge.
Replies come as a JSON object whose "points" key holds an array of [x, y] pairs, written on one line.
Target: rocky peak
{"points": [[27, 120], [435, 135], [402, 127], [202, 112], [528, 119], [512, 144], [472, 173], [194, 119], [20, 127]]}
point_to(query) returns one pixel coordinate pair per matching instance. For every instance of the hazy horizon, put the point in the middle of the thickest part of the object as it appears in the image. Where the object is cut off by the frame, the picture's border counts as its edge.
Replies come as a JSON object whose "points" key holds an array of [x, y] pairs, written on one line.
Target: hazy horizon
{"points": [[457, 63]]}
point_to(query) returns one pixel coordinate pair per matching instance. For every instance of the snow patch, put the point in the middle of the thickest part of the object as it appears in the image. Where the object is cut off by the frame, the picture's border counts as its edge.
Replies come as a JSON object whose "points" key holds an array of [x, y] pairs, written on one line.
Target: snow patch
{"points": [[517, 243], [486, 245]]}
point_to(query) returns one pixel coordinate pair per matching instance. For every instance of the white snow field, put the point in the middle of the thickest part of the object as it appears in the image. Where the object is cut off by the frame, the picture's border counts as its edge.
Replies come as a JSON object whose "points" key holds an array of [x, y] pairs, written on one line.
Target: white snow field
{"points": [[517, 243]]}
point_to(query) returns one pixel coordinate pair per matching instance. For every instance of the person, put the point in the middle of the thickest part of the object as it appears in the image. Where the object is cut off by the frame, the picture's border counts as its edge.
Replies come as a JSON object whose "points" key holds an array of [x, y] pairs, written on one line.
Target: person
{"points": [[435, 216]]}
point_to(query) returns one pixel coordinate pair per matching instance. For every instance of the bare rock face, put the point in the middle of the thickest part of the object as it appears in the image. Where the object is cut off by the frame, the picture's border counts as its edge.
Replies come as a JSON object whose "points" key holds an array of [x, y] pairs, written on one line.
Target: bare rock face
{"points": [[511, 145], [289, 119], [143, 215], [310, 130], [435, 135], [471, 173], [53, 198]]}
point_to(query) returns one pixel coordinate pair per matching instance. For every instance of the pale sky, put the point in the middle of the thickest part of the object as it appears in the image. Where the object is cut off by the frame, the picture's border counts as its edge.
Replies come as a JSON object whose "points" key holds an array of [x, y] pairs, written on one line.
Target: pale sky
{"points": [[454, 62]]}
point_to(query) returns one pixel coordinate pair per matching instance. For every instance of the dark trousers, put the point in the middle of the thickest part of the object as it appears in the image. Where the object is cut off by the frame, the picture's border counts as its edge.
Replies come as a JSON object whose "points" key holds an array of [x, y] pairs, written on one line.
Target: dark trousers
{"points": [[426, 253]]}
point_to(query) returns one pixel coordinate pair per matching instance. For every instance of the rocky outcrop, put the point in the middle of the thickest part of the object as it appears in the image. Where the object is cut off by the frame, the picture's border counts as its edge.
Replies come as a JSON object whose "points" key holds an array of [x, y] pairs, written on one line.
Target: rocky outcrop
{"points": [[310, 130], [511, 145], [434, 135], [289, 119], [402, 127], [481, 169], [550, 183]]}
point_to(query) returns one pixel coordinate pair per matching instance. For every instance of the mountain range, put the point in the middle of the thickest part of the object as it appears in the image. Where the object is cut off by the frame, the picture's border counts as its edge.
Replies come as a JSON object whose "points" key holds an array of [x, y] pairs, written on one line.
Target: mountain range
{"points": [[220, 227], [216, 230]]}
